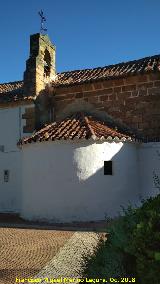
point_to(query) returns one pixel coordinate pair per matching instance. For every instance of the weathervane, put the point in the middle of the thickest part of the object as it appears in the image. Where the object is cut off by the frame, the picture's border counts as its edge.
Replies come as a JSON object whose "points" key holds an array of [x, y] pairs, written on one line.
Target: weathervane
{"points": [[43, 20]]}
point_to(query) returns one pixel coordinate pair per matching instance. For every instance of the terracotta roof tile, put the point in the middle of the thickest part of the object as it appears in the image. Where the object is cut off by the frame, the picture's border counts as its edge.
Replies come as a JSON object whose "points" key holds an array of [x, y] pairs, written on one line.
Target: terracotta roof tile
{"points": [[123, 69], [80, 126], [10, 87], [13, 91]]}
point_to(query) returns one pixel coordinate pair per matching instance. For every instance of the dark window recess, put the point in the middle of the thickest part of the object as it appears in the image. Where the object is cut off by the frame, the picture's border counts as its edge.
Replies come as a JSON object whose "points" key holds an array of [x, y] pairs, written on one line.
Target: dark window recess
{"points": [[6, 175], [108, 168], [47, 64]]}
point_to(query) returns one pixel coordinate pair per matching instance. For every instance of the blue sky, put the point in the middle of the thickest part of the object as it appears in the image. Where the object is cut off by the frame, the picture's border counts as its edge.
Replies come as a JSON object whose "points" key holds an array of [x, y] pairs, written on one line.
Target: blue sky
{"points": [[87, 33]]}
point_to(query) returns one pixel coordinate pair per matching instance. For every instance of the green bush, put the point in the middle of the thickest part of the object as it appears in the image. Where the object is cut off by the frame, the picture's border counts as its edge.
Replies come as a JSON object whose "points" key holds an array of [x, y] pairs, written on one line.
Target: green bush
{"points": [[145, 241], [107, 262], [133, 246], [112, 258]]}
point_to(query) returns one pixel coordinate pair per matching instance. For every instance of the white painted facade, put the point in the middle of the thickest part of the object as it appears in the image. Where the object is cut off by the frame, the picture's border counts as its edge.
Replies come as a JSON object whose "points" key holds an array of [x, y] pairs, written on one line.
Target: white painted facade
{"points": [[149, 166], [11, 129], [65, 182]]}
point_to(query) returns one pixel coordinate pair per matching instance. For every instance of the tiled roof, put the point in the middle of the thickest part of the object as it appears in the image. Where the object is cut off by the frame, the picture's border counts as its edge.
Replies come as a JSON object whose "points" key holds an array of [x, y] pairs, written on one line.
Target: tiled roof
{"points": [[79, 126], [123, 69], [10, 87], [12, 92]]}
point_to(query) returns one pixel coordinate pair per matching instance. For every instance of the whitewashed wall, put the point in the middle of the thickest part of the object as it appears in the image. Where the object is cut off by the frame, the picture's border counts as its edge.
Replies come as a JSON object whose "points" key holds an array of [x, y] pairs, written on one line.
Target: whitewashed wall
{"points": [[149, 166], [11, 130], [65, 182]]}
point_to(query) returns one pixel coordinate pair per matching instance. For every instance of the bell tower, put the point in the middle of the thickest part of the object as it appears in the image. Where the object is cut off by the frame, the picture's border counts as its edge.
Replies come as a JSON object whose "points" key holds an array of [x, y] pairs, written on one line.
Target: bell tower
{"points": [[40, 67]]}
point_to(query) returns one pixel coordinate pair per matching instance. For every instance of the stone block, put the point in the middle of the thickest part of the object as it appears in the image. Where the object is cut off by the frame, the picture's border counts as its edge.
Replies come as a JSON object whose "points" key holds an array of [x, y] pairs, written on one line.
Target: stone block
{"points": [[90, 94], [93, 99], [154, 91], [117, 89], [79, 95], [128, 88], [87, 87], [157, 84], [123, 95], [103, 98], [144, 86], [107, 84], [154, 76], [29, 113], [119, 82], [130, 80], [97, 86]]}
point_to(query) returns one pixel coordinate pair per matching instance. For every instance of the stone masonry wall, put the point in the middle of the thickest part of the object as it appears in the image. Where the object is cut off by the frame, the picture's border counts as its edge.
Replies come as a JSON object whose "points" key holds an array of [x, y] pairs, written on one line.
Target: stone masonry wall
{"points": [[133, 100], [29, 116]]}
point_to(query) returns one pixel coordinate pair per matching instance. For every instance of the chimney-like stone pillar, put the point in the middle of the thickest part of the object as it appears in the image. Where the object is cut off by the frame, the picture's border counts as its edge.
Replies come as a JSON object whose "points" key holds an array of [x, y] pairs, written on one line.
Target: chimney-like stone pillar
{"points": [[40, 67]]}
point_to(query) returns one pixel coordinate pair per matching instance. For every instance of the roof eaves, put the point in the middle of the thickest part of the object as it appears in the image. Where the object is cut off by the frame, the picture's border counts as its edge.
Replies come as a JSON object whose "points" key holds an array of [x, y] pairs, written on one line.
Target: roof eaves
{"points": [[108, 78], [115, 65]]}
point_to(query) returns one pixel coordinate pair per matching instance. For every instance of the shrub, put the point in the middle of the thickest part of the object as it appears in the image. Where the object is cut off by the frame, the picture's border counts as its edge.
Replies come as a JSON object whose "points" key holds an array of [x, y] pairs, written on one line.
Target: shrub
{"points": [[133, 247], [107, 262], [145, 241]]}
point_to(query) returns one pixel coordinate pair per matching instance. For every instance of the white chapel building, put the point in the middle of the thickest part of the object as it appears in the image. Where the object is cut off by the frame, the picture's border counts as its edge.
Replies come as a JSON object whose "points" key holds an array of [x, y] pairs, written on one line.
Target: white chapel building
{"points": [[82, 144]]}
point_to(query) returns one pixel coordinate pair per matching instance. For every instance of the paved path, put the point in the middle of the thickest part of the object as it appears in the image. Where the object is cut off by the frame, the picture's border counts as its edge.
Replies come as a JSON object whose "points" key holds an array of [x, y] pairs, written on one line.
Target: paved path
{"points": [[69, 262], [28, 249], [24, 252]]}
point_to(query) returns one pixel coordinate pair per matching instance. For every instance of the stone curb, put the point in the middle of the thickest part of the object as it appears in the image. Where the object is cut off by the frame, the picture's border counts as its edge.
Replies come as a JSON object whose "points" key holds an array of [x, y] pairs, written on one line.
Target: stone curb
{"points": [[70, 260]]}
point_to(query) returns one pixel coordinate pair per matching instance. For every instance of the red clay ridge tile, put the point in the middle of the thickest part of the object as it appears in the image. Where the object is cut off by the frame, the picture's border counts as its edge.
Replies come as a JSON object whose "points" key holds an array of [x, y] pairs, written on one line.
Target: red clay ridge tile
{"points": [[78, 126]]}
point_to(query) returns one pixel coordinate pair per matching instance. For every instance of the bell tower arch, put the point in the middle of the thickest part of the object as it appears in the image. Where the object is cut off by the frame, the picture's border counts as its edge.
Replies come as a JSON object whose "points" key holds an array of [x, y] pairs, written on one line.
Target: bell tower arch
{"points": [[40, 67]]}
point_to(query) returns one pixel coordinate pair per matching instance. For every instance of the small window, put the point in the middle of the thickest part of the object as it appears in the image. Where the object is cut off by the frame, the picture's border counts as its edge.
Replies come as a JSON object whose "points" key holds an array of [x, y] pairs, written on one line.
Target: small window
{"points": [[108, 168], [6, 175]]}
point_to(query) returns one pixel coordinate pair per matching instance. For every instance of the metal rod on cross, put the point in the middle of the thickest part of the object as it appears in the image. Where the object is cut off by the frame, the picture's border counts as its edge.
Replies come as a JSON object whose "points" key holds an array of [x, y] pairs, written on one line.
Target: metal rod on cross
{"points": [[43, 20]]}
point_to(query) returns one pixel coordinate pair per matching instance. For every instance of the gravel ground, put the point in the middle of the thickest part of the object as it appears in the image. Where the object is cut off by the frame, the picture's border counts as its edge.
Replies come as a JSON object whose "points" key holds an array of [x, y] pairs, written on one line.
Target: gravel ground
{"points": [[69, 262]]}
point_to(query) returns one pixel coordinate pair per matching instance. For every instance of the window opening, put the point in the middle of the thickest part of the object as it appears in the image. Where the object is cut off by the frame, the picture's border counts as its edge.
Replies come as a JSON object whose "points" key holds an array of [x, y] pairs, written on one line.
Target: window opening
{"points": [[47, 64], [108, 169], [6, 175]]}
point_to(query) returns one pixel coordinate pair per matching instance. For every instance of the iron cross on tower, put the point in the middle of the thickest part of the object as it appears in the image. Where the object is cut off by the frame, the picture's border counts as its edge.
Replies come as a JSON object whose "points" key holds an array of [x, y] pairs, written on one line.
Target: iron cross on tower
{"points": [[43, 20]]}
